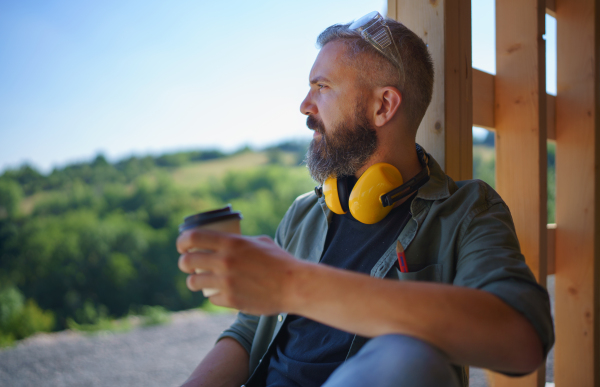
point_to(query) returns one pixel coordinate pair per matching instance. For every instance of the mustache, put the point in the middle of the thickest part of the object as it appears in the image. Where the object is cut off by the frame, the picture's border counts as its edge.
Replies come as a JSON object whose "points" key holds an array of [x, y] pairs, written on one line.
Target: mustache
{"points": [[317, 125]]}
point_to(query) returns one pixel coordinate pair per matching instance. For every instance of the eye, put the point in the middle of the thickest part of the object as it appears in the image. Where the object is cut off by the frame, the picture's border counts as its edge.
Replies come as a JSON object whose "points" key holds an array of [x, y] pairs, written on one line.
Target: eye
{"points": [[321, 86]]}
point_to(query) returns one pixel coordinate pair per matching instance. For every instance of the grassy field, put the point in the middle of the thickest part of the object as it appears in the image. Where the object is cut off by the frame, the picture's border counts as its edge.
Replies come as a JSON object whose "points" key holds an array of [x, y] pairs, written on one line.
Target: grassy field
{"points": [[190, 175]]}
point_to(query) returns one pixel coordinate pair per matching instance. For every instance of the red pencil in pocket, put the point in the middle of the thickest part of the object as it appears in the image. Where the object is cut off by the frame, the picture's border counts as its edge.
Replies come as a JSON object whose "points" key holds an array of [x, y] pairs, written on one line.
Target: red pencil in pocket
{"points": [[401, 257]]}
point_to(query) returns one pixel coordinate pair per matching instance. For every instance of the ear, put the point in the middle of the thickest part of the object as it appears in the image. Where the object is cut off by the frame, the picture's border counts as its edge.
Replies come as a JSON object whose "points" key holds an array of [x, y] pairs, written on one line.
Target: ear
{"points": [[388, 103]]}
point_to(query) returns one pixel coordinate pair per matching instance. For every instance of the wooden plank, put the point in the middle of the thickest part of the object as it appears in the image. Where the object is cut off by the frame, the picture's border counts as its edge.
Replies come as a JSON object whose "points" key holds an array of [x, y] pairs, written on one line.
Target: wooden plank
{"points": [[577, 359], [427, 21], [551, 7], [551, 238], [483, 104], [483, 99], [551, 117], [520, 97], [446, 129], [391, 10], [458, 92]]}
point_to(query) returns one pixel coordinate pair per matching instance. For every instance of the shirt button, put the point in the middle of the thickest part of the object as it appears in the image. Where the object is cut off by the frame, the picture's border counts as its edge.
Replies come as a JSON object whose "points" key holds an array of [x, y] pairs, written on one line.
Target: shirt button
{"points": [[280, 318]]}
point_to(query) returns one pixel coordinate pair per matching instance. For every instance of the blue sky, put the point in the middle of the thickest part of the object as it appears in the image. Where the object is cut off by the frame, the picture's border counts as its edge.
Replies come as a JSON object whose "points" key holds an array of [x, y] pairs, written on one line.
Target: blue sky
{"points": [[138, 77]]}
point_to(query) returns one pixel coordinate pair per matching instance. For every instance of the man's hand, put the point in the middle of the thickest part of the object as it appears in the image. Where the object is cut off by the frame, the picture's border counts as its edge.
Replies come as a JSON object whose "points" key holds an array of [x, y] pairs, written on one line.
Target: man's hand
{"points": [[250, 273]]}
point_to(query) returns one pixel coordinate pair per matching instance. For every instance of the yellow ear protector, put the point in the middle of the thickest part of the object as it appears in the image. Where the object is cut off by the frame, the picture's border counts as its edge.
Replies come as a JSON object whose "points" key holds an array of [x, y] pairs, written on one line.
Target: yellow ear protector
{"points": [[375, 192]]}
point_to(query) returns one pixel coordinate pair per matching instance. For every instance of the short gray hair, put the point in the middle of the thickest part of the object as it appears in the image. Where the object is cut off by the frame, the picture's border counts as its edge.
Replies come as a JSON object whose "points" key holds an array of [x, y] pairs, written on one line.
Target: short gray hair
{"points": [[375, 70]]}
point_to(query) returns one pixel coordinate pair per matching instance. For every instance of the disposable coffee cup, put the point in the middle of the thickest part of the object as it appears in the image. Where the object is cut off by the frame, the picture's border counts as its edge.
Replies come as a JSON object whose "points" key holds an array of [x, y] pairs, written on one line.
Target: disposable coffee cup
{"points": [[221, 220]]}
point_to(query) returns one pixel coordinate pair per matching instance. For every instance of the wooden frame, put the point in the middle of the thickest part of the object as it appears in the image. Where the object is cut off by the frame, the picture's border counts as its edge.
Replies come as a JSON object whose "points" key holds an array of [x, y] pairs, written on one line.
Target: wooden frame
{"points": [[445, 27], [577, 350], [520, 123], [484, 101], [515, 105]]}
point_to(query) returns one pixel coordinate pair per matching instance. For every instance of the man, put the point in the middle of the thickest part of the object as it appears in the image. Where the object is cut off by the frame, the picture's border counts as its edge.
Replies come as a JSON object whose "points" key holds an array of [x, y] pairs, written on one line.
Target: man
{"points": [[467, 299]]}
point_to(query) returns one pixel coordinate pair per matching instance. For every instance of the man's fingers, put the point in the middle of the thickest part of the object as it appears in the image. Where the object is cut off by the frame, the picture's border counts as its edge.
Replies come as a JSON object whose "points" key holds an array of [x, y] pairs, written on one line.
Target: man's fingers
{"points": [[221, 299], [189, 262], [201, 281], [201, 239]]}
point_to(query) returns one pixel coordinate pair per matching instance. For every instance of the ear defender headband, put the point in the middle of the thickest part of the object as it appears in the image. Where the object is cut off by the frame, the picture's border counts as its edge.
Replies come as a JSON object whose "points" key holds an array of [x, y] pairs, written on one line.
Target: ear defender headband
{"points": [[375, 192]]}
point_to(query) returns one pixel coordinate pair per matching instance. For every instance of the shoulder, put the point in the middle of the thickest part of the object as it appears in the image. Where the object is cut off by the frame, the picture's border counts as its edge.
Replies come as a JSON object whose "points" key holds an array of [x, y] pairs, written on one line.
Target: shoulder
{"points": [[476, 194], [303, 204], [305, 211], [466, 203], [484, 212]]}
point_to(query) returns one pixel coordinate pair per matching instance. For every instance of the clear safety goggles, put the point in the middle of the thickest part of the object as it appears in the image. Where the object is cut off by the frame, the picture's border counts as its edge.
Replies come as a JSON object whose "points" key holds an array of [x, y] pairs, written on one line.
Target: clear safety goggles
{"points": [[373, 29]]}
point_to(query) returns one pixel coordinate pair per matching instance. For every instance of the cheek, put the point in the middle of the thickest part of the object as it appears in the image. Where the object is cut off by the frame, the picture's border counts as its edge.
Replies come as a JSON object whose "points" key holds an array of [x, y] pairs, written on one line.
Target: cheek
{"points": [[333, 109]]}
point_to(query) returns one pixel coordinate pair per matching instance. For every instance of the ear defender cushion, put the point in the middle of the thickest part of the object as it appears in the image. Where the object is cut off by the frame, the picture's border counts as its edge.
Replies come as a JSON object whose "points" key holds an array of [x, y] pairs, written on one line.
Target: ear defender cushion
{"points": [[332, 197], [365, 203]]}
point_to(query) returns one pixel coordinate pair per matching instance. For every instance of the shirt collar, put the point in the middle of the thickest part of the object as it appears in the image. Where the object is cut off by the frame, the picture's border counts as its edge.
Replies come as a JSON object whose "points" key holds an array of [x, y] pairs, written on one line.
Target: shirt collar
{"points": [[437, 187]]}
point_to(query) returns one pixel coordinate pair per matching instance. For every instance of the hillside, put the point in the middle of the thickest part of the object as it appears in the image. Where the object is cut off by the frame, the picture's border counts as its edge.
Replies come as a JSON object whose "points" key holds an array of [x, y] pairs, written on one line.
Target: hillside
{"points": [[94, 241]]}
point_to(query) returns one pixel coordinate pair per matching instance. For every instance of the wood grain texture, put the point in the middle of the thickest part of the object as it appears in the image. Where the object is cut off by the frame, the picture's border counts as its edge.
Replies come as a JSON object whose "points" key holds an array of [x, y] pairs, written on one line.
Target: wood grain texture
{"points": [[483, 104], [391, 9], [520, 115], [551, 117], [426, 19], [577, 360], [483, 99], [444, 25], [551, 240], [458, 92], [551, 7]]}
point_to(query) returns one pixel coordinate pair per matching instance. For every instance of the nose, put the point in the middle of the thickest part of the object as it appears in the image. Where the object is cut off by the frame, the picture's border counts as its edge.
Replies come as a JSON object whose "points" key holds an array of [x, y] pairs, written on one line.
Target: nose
{"points": [[307, 107]]}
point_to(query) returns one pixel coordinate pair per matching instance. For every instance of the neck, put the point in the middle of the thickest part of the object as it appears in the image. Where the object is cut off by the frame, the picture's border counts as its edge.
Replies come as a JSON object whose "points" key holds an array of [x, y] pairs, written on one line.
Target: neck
{"points": [[404, 157]]}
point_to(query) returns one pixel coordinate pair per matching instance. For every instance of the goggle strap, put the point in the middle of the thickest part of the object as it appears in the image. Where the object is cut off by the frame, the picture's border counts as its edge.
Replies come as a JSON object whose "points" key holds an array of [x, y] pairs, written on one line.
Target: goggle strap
{"points": [[410, 186], [406, 189]]}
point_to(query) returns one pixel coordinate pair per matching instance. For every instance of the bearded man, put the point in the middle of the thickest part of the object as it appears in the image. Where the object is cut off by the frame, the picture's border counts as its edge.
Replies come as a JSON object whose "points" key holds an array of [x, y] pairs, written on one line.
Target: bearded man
{"points": [[328, 303]]}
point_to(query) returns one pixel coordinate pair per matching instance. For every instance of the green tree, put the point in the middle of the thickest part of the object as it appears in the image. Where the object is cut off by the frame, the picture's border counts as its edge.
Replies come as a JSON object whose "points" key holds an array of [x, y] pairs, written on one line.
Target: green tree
{"points": [[10, 198]]}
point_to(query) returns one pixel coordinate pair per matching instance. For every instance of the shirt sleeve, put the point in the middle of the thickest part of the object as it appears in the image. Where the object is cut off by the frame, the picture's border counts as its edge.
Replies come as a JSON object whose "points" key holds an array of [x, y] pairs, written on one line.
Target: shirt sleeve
{"points": [[242, 330], [489, 258]]}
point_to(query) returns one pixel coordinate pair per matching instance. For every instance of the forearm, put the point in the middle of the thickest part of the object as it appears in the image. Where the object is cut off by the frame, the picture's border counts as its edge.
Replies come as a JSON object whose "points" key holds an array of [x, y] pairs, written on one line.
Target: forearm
{"points": [[226, 365], [472, 326]]}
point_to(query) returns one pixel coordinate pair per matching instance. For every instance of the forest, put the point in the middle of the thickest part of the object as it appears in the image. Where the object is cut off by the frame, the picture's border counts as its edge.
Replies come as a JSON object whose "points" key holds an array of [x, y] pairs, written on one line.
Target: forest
{"points": [[95, 241]]}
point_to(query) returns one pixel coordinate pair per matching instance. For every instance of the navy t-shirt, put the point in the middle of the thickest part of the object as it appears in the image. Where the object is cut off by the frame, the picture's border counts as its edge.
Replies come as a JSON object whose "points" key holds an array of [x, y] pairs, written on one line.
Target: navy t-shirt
{"points": [[307, 352]]}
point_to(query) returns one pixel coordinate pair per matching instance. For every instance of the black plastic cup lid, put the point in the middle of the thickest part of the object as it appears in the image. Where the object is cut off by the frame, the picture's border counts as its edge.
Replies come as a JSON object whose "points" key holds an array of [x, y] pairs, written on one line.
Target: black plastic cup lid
{"points": [[208, 217]]}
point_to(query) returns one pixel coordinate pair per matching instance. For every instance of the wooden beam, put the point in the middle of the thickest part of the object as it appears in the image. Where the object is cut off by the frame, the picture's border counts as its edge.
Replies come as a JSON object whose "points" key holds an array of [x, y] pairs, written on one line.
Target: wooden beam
{"points": [[458, 95], [551, 7], [577, 320], [551, 117], [551, 237], [483, 99], [520, 98], [427, 21], [445, 26], [391, 10], [483, 104]]}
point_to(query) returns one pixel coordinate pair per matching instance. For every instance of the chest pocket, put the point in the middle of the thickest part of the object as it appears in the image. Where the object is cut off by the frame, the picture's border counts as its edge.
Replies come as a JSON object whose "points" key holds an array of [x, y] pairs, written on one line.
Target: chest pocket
{"points": [[429, 273]]}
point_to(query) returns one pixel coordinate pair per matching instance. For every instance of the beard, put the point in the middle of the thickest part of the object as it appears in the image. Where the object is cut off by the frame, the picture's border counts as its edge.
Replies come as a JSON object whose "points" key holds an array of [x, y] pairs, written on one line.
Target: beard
{"points": [[344, 150]]}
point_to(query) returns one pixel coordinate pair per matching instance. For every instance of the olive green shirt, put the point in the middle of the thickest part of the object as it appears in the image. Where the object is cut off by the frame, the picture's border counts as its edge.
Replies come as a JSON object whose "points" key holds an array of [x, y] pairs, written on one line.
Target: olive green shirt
{"points": [[460, 233]]}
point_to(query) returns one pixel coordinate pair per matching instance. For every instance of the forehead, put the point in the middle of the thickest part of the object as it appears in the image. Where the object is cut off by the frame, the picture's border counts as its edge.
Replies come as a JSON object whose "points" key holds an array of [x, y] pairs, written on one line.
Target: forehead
{"points": [[333, 64]]}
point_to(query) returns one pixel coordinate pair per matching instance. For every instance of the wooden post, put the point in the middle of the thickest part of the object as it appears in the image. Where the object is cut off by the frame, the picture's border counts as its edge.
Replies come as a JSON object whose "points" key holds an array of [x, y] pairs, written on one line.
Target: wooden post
{"points": [[445, 26], [577, 351], [520, 115]]}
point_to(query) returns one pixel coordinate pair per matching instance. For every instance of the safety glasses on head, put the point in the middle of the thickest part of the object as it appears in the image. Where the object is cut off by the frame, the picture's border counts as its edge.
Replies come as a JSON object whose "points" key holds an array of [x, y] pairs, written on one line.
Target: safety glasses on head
{"points": [[373, 28]]}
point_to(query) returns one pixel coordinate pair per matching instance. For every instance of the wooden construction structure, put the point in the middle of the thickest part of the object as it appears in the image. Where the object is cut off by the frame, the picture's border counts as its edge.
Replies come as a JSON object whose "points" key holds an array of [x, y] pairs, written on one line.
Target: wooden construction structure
{"points": [[515, 105]]}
